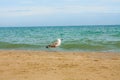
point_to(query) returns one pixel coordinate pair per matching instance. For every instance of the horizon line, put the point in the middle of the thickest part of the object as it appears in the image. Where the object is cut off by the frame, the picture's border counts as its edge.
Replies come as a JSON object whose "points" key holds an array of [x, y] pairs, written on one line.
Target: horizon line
{"points": [[65, 25]]}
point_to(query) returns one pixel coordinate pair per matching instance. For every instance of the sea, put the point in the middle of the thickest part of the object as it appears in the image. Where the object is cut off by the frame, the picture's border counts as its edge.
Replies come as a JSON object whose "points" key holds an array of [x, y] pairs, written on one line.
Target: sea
{"points": [[84, 38]]}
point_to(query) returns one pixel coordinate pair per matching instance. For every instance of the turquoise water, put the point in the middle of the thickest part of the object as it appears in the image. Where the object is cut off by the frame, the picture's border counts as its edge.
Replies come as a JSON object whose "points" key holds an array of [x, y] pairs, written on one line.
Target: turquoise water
{"points": [[102, 38]]}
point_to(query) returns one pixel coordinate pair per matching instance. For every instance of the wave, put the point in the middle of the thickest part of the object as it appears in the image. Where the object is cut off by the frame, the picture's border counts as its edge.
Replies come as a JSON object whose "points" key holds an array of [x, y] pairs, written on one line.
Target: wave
{"points": [[90, 45], [116, 34], [7, 45], [76, 45]]}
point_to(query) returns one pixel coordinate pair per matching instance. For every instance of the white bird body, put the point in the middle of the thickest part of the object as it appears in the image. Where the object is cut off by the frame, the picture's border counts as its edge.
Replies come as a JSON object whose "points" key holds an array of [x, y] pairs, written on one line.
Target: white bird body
{"points": [[55, 44], [58, 43]]}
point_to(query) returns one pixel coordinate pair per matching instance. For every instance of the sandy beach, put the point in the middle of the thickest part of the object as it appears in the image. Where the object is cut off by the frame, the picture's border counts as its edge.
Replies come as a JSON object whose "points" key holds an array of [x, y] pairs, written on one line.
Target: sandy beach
{"points": [[44, 65]]}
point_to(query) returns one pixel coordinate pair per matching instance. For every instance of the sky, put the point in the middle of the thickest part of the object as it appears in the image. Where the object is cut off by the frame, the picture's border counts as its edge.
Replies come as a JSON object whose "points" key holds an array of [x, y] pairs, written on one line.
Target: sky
{"points": [[59, 12]]}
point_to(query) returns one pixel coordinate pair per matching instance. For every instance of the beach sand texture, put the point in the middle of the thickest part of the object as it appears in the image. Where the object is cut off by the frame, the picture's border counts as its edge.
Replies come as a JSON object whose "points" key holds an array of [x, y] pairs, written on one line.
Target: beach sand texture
{"points": [[44, 65]]}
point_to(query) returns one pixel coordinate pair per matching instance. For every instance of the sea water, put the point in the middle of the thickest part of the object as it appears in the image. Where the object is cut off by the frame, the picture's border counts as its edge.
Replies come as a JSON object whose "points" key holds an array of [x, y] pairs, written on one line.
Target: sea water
{"points": [[102, 38]]}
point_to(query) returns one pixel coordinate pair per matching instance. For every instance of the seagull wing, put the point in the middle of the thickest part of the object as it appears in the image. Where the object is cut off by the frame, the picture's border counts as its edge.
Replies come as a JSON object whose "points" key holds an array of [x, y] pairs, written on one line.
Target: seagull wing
{"points": [[54, 43]]}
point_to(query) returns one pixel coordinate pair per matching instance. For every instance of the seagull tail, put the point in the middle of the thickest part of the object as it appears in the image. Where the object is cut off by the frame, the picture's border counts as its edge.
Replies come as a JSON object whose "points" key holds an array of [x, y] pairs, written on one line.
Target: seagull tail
{"points": [[48, 46]]}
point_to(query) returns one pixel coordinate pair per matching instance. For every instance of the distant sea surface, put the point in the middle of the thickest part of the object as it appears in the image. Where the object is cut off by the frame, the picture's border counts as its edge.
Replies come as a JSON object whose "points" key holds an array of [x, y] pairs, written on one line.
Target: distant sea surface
{"points": [[98, 38]]}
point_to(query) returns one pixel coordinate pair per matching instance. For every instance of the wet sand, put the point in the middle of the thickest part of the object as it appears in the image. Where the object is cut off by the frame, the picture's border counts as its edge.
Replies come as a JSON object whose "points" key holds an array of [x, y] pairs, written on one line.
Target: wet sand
{"points": [[44, 65]]}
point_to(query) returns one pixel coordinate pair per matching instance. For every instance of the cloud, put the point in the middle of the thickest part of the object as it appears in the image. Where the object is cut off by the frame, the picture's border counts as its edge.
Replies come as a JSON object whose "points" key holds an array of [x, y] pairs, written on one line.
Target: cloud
{"points": [[51, 10], [76, 9], [26, 11]]}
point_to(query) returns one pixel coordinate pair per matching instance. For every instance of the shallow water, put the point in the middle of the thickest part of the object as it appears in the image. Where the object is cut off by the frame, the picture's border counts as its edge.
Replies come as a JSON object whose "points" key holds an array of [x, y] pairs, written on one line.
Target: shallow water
{"points": [[103, 38]]}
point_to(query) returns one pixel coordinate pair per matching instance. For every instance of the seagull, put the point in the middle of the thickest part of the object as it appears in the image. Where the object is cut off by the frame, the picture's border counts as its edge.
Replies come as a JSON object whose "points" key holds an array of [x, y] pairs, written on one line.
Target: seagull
{"points": [[55, 44]]}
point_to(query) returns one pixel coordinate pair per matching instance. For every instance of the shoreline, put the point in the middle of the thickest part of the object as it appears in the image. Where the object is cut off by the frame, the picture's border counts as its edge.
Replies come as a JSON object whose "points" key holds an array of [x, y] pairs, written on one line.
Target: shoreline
{"points": [[64, 51], [56, 65]]}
